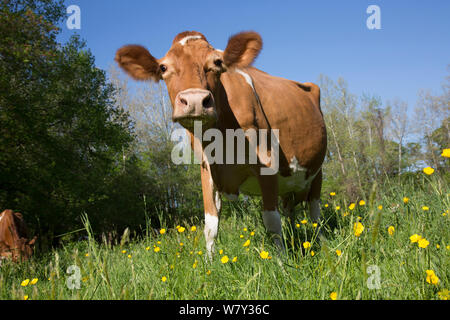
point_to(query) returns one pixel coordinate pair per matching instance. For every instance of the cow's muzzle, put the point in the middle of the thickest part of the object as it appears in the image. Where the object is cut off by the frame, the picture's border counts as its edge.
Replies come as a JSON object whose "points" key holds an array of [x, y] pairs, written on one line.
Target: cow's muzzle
{"points": [[194, 104]]}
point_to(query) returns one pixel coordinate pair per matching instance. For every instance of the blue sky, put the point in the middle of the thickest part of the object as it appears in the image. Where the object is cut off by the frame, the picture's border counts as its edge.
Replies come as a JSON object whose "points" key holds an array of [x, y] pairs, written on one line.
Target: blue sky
{"points": [[302, 39]]}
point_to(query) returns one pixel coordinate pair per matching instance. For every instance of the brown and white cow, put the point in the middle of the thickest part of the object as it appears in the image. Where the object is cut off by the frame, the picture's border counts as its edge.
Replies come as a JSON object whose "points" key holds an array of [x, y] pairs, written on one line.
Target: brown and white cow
{"points": [[221, 89], [14, 242]]}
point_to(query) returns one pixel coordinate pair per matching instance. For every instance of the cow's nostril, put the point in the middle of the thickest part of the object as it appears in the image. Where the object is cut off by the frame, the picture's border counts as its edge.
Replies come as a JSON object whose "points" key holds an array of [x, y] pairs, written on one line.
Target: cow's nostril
{"points": [[183, 101], [207, 102]]}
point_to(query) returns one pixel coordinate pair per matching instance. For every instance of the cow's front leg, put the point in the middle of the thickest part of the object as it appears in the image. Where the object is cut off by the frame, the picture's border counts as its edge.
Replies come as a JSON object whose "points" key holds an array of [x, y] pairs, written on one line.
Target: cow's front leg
{"points": [[212, 206], [271, 216]]}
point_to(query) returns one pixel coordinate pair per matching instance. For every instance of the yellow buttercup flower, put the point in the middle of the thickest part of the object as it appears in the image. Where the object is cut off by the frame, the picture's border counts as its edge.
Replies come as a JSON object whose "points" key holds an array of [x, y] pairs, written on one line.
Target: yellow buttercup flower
{"points": [[380, 207], [264, 254], [224, 259], [362, 203], [181, 229], [415, 238], [312, 253], [164, 279], [358, 228], [306, 244], [297, 225], [124, 251], [25, 282], [326, 205], [444, 294], [338, 208], [425, 208], [234, 259], [338, 252], [333, 295], [304, 221], [423, 243], [246, 243], [25, 297], [352, 206], [405, 200], [332, 194], [428, 170], [432, 277], [314, 225], [446, 153], [208, 272], [162, 231], [195, 264], [34, 281], [220, 251], [391, 230], [245, 229], [252, 233], [193, 228], [129, 256], [157, 249]]}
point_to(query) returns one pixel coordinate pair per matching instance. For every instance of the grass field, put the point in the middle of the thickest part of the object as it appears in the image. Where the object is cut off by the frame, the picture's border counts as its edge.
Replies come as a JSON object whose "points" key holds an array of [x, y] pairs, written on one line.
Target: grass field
{"points": [[374, 260]]}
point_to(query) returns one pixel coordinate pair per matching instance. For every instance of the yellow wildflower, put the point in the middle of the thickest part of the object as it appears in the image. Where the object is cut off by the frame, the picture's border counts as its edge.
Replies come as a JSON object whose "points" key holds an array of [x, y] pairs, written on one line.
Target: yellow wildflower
{"points": [[362, 203], [193, 228], [200, 252], [380, 207], [129, 256], [234, 259], [25, 282], [208, 272], [405, 200], [241, 236], [332, 194], [181, 229], [164, 279], [423, 243], [245, 229], [445, 153], [326, 205], [34, 281], [314, 225], [415, 238], [252, 233], [157, 249], [333, 295], [86, 255], [428, 170], [25, 297], [338, 252], [306, 244], [351, 206], [338, 207], [444, 294], [431, 277], [358, 228], [312, 253], [246, 243], [220, 251], [304, 221], [124, 251], [264, 254], [425, 208], [297, 225], [224, 259], [195, 264], [147, 248], [162, 231], [391, 230]]}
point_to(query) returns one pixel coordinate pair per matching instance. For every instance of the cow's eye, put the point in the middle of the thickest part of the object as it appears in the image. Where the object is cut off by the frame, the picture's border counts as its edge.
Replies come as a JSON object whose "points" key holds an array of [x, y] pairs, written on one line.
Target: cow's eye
{"points": [[163, 68], [218, 62]]}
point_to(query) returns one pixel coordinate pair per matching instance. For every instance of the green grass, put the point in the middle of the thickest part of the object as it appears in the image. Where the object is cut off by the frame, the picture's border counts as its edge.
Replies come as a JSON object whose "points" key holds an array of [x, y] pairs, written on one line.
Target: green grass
{"points": [[108, 273]]}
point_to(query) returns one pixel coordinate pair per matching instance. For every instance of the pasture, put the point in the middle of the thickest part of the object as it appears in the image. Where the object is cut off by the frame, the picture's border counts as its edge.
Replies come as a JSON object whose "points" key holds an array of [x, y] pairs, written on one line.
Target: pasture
{"points": [[373, 262]]}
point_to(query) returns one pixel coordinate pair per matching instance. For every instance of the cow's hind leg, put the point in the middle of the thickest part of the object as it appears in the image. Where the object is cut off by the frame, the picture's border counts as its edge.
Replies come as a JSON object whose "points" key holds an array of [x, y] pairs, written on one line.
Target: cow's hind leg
{"points": [[271, 216]]}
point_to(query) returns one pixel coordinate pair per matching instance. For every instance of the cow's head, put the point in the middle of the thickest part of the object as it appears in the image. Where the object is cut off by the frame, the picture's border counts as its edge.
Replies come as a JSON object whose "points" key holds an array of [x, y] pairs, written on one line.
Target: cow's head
{"points": [[191, 70]]}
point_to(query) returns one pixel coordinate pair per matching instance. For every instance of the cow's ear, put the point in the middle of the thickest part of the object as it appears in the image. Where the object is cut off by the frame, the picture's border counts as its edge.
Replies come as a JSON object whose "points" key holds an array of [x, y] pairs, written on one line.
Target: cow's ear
{"points": [[242, 49], [138, 63]]}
